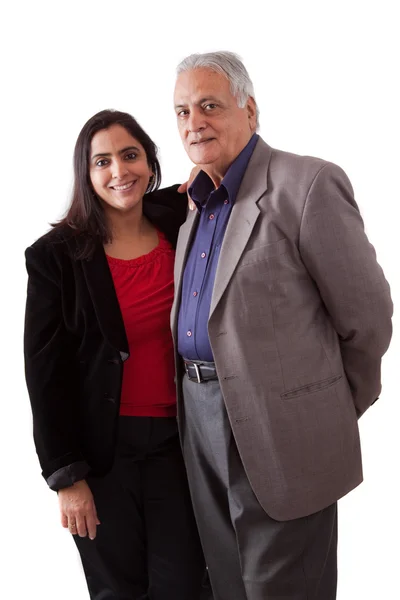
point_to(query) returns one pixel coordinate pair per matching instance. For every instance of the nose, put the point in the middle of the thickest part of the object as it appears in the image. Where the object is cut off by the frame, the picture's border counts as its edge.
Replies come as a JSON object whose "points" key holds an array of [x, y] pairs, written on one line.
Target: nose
{"points": [[119, 169], [196, 122]]}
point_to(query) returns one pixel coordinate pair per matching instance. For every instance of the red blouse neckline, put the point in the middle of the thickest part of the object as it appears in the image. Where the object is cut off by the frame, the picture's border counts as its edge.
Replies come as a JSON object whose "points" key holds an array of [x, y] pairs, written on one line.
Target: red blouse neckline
{"points": [[162, 247]]}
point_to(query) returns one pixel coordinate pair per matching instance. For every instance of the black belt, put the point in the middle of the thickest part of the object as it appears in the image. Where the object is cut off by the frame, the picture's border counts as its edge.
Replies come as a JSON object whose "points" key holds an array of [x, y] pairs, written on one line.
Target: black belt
{"points": [[200, 372]]}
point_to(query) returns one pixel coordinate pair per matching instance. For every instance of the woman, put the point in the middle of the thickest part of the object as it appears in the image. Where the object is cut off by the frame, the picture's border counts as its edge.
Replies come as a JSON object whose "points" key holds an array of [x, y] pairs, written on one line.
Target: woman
{"points": [[100, 372]]}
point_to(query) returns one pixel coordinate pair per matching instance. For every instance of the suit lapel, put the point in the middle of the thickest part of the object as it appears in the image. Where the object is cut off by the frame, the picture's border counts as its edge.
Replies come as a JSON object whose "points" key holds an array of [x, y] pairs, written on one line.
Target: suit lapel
{"points": [[242, 220], [105, 302], [185, 238], [240, 226]]}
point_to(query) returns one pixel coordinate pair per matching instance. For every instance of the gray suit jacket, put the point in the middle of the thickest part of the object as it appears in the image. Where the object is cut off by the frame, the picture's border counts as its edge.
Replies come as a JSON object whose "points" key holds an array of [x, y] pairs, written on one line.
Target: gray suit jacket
{"points": [[300, 318]]}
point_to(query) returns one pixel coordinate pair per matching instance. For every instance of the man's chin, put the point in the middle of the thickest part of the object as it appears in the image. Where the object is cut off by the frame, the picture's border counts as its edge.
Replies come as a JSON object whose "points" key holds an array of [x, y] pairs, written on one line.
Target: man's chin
{"points": [[201, 157]]}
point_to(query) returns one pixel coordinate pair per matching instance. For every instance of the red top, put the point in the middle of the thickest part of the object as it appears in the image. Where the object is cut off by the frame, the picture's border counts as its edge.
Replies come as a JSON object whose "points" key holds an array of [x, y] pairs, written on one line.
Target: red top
{"points": [[145, 290]]}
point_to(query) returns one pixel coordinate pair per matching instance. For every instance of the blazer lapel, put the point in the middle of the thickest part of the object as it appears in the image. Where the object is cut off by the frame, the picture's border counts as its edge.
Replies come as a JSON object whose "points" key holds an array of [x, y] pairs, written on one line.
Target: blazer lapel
{"points": [[185, 238], [105, 302], [242, 220]]}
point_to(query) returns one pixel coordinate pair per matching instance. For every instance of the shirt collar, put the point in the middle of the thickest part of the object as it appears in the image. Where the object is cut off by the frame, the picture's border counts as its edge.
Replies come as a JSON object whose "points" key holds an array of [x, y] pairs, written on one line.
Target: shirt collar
{"points": [[202, 186]]}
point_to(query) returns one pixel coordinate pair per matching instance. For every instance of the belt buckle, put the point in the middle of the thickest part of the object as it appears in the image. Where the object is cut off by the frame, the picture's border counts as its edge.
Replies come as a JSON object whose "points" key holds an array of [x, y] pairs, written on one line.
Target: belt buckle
{"points": [[198, 374], [197, 371]]}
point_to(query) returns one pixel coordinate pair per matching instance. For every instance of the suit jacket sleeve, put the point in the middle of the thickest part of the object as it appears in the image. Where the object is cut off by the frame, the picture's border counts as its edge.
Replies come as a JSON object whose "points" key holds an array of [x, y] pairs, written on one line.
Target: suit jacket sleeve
{"points": [[342, 262], [49, 370]]}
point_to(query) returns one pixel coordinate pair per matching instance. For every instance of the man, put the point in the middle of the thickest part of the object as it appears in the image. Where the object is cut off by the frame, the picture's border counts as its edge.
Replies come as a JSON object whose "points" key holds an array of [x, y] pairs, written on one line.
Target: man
{"points": [[281, 317]]}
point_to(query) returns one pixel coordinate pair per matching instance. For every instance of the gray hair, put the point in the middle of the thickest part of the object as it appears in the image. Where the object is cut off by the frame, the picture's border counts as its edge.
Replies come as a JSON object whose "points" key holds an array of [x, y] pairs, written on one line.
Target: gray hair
{"points": [[229, 65]]}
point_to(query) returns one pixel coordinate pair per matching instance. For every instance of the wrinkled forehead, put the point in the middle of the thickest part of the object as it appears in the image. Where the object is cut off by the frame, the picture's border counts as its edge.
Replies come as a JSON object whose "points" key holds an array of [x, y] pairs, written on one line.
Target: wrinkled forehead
{"points": [[194, 85]]}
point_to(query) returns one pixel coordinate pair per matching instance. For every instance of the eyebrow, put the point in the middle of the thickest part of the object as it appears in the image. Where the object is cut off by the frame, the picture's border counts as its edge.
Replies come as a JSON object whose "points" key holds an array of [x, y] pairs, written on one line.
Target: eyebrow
{"points": [[120, 152], [205, 99]]}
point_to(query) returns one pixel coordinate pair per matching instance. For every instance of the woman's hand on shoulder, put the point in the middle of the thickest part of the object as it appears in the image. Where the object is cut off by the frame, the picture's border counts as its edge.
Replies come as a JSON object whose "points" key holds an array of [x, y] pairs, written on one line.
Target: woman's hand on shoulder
{"points": [[78, 510], [184, 187]]}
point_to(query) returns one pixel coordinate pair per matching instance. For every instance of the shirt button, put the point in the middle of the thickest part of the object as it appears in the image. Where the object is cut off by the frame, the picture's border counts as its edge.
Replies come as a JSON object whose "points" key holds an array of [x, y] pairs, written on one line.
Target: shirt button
{"points": [[203, 255], [195, 294], [226, 201], [211, 217], [189, 333]]}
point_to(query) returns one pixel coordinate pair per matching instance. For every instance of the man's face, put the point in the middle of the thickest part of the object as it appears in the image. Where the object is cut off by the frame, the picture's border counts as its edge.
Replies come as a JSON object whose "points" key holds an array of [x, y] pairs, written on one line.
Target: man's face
{"points": [[214, 130]]}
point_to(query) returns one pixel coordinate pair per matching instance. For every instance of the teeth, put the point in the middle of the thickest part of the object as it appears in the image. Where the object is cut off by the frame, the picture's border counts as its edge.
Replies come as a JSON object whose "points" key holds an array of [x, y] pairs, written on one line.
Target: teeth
{"points": [[123, 187]]}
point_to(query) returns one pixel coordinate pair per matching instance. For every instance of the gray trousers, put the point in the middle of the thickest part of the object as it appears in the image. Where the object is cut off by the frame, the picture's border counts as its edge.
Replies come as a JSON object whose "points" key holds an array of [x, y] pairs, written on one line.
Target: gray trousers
{"points": [[249, 555]]}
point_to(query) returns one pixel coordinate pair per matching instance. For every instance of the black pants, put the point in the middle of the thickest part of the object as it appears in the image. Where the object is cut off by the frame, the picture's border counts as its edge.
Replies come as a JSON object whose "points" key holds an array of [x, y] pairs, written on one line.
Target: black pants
{"points": [[147, 546]]}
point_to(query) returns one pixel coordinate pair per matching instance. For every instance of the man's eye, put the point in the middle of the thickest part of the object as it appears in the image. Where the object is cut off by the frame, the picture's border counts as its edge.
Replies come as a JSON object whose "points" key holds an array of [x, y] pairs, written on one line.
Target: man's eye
{"points": [[183, 113], [102, 162], [210, 106]]}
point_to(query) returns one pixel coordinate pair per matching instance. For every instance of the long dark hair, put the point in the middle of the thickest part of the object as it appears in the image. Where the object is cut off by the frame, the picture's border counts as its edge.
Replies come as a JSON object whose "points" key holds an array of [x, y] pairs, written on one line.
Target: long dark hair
{"points": [[85, 214]]}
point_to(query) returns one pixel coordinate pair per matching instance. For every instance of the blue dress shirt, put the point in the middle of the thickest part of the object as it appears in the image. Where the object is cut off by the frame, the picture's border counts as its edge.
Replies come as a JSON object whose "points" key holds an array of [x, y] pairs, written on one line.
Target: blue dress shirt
{"points": [[214, 206]]}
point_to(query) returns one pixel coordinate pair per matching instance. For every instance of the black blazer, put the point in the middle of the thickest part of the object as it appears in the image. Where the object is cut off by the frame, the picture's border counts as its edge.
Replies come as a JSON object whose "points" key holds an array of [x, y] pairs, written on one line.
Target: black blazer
{"points": [[75, 345]]}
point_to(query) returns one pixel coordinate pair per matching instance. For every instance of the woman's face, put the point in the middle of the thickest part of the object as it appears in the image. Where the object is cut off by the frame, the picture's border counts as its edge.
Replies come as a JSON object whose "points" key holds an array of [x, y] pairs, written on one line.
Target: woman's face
{"points": [[119, 170]]}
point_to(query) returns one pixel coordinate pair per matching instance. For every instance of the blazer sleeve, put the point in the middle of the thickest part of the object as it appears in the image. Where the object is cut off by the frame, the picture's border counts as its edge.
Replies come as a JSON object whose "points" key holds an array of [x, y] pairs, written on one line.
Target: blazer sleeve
{"points": [[171, 198], [342, 262], [167, 209], [49, 371]]}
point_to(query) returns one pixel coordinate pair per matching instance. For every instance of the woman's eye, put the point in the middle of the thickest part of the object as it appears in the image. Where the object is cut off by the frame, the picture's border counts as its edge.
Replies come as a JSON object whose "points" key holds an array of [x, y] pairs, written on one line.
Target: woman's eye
{"points": [[102, 162], [131, 156]]}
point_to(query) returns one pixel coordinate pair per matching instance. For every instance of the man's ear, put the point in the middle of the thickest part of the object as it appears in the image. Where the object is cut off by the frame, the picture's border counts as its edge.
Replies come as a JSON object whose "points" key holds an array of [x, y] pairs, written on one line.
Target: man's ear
{"points": [[252, 113]]}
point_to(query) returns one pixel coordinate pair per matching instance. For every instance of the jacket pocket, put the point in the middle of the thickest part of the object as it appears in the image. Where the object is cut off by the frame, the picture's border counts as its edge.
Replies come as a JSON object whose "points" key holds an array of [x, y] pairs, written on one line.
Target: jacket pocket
{"points": [[312, 387], [265, 252]]}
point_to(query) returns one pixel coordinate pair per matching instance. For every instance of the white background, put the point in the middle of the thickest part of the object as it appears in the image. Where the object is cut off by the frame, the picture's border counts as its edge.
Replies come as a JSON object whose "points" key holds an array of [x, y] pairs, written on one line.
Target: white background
{"points": [[325, 76]]}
